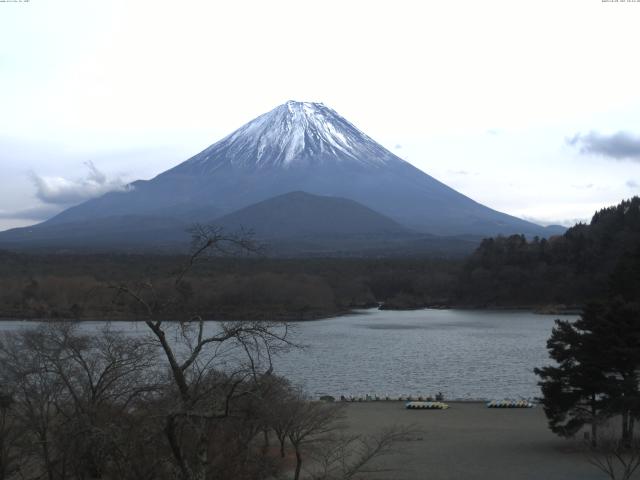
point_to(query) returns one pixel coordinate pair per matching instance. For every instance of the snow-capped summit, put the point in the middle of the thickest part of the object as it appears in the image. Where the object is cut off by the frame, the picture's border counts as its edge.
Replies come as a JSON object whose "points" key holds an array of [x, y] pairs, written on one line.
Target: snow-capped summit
{"points": [[305, 147], [292, 134]]}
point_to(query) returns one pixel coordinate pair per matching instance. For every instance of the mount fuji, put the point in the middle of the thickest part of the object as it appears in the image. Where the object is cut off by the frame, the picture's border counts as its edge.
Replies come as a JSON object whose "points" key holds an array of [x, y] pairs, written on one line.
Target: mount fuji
{"points": [[296, 147]]}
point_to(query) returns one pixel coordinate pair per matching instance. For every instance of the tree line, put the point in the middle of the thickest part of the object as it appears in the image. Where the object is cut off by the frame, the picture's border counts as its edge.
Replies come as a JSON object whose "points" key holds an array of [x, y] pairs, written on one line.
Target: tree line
{"points": [[183, 400], [570, 269], [246, 287], [594, 381], [512, 271]]}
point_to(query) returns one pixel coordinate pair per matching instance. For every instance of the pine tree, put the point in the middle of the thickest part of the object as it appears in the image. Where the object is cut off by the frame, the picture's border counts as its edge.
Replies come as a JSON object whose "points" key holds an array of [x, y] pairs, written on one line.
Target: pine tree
{"points": [[574, 391], [598, 369], [618, 331]]}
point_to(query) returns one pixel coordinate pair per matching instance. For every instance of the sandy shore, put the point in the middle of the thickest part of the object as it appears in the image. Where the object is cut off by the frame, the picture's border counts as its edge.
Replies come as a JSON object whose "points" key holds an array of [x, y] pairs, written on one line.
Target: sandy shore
{"points": [[469, 441]]}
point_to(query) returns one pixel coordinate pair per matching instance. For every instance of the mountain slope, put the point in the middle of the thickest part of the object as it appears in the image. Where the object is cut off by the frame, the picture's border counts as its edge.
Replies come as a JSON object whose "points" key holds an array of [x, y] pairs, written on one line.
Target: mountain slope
{"points": [[104, 233], [299, 214], [293, 224], [305, 147]]}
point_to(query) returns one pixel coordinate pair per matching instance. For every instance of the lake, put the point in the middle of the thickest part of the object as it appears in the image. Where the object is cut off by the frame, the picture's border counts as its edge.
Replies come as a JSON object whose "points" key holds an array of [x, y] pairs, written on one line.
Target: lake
{"points": [[465, 354]]}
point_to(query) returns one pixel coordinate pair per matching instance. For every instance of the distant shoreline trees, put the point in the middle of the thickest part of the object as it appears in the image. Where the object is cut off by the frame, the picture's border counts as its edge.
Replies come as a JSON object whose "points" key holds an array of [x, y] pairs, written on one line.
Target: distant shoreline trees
{"points": [[597, 372], [570, 269]]}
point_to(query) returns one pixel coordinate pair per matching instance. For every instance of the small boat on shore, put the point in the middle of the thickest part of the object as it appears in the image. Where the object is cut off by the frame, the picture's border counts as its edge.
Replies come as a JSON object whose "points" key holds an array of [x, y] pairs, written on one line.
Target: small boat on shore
{"points": [[426, 406], [510, 404]]}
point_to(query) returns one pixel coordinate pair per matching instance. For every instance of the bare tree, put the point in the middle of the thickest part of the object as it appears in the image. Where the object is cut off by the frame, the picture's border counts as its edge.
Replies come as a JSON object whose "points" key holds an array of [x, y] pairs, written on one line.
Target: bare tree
{"points": [[197, 355], [344, 457], [310, 422], [616, 457], [316, 430], [71, 391], [37, 392], [277, 406], [10, 434], [102, 375]]}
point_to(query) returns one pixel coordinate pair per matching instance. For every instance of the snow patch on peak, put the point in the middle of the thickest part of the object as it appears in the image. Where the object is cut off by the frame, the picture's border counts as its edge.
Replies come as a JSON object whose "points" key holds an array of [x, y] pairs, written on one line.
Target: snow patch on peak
{"points": [[293, 134], [307, 107]]}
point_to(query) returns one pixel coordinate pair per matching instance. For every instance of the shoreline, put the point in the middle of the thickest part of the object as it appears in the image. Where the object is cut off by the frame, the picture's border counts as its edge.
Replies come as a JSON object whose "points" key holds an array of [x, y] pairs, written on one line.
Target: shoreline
{"points": [[309, 316], [541, 309], [212, 318]]}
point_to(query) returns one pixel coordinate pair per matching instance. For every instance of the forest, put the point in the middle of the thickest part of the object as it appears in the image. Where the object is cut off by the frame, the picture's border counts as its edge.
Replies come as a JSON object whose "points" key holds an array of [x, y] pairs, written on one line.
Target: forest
{"points": [[562, 272], [77, 286], [571, 269]]}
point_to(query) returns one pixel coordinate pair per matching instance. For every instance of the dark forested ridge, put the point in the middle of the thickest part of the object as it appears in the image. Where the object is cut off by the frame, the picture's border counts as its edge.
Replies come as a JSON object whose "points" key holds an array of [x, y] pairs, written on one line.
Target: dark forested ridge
{"points": [[37, 286], [569, 269]]}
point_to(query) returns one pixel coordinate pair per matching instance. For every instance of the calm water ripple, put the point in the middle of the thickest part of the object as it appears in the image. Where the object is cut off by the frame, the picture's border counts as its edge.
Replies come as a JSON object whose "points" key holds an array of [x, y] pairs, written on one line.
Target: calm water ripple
{"points": [[466, 354], [463, 353]]}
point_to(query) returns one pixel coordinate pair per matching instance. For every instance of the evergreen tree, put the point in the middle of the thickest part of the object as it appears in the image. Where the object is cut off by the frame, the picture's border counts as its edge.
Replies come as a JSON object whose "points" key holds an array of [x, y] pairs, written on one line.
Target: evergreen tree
{"points": [[597, 371], [574, 390], [618, 332]]}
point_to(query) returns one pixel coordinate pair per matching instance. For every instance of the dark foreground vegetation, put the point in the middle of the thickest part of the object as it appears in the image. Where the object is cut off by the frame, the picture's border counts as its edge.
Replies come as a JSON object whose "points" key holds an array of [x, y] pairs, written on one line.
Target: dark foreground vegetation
{"points": [[184, 401], [74, 406], [595, 378], [597, 363], [563, 271]]}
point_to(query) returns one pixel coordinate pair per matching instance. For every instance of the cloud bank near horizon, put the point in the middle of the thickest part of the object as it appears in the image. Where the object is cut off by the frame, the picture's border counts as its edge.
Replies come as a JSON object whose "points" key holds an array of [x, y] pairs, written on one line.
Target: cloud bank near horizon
{"points": [[34, 213], [65, 191]]}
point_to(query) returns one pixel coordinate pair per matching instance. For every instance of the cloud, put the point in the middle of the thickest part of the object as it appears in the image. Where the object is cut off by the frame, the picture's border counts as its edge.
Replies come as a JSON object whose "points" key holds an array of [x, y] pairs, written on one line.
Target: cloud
{"points": [[619, 146], [632, 184], [567, 222], [64, 191], [493, 131], [35, 213], [398, 146]]}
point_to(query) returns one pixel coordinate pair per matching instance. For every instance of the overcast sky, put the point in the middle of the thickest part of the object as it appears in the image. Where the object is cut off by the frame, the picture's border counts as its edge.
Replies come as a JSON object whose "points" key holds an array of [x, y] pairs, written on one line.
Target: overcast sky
{"points": [[532, 108]]}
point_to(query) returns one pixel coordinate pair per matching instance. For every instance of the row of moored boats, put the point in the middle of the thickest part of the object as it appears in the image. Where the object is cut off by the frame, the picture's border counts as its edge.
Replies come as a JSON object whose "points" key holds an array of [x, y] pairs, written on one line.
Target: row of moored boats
{"points": [[418, 405]]}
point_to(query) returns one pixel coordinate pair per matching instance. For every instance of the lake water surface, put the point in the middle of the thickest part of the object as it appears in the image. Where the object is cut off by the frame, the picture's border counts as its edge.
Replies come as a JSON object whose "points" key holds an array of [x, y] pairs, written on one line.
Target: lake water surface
{"points": [[465, 354]]}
